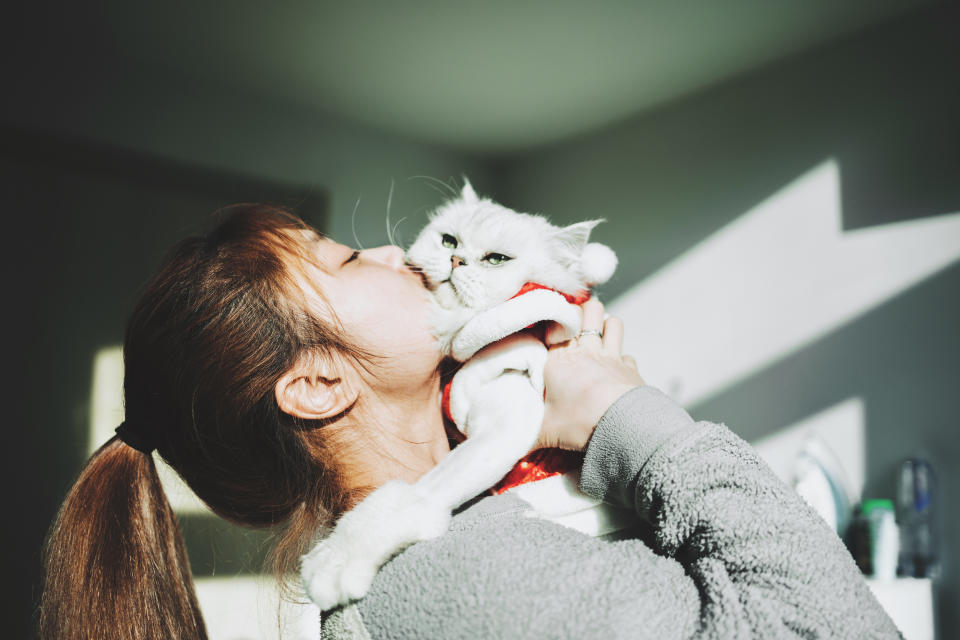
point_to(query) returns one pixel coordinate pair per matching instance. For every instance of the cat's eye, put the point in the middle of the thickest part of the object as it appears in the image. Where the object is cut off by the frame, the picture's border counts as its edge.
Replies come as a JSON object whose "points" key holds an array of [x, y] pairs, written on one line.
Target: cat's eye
{"points": [[496, 258], [448, 241]]}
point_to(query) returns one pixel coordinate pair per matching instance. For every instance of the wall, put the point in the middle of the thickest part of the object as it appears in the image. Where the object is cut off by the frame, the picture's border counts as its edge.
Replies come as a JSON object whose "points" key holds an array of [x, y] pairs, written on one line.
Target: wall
{"points": [[174, 117], [75, 272], [884, 106]]}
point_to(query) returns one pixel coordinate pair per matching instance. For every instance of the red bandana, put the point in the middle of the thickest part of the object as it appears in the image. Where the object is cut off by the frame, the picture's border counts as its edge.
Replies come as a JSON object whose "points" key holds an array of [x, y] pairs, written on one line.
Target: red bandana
{"points": [[542, 463], [578, 299]]}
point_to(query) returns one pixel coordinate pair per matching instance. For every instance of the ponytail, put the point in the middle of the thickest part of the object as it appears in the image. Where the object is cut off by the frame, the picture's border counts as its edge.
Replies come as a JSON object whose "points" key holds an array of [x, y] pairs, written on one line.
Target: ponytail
{"points": [[226, 315], [116, 566]]}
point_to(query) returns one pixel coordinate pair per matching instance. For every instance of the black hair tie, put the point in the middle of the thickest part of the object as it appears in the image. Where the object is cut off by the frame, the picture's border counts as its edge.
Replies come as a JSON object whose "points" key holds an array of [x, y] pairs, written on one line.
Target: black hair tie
{"points": [[133, 438]]}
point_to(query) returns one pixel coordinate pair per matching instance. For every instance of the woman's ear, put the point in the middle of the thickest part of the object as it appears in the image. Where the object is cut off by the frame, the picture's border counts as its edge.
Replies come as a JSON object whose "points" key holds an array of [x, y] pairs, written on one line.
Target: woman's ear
{"points": [[317, 387]]}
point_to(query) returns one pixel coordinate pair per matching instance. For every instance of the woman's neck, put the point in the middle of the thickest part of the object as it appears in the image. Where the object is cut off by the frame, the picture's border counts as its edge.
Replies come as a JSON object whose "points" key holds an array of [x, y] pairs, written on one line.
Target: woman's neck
{"points": [[408, 432]]}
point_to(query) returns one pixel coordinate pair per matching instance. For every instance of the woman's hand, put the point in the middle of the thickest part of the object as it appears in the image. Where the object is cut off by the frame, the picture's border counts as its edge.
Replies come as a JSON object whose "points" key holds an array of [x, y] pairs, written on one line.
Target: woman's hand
{"points": [[583, 377]]}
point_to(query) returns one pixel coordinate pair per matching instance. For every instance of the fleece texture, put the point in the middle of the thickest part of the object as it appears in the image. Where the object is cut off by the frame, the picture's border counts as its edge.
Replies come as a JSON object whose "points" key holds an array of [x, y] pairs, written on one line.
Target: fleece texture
{"points": [[721, 549]]}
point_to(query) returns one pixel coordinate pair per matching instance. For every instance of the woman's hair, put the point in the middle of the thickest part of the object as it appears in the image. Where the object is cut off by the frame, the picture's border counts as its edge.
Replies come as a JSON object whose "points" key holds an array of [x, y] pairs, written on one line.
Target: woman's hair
{"points": [[220, 323]]}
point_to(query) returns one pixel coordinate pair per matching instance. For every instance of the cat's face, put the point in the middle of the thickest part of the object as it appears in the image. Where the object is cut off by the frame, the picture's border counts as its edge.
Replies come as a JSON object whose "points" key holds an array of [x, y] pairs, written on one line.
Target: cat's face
{"points": [[477, 253]]}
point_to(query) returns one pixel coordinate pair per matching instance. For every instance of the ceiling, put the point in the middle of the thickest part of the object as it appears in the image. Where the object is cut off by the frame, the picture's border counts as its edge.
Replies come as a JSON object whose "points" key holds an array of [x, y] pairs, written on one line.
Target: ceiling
{"points": [[488, 76]]}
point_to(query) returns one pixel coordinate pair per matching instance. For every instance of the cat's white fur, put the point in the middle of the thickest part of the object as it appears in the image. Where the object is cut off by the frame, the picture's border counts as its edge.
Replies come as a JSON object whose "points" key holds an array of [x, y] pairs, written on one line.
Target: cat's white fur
{"points": [[496, 397], [556, 257]]}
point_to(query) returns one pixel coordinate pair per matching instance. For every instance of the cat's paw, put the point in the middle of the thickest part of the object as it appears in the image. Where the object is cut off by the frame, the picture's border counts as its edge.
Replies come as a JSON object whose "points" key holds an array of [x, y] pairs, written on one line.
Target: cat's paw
{"points": [[342, 567], [334, 574], [327, 577]]}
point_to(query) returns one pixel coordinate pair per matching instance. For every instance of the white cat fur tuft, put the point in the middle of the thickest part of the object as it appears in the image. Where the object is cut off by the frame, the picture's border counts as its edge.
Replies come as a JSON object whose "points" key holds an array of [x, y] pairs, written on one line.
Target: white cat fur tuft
{"points": [[597, 263]]}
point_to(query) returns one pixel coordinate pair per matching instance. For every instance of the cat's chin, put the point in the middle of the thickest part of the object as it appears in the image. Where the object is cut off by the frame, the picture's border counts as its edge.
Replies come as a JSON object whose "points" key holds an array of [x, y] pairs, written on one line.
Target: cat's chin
{"points": [[447, 322], [446, 295]]}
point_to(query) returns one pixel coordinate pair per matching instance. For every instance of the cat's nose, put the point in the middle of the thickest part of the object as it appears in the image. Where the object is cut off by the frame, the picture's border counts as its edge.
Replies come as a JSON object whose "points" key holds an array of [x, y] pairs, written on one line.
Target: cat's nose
{"points": [[456, 261]]}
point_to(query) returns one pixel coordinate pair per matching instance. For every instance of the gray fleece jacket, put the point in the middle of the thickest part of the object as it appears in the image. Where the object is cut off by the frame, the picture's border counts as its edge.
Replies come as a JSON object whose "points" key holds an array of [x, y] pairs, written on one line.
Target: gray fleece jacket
{"points": [[723, 550]]}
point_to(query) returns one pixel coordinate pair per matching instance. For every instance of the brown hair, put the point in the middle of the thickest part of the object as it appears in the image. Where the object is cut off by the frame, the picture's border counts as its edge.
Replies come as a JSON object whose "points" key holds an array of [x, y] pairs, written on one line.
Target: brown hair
{"points": [[216, 328]]}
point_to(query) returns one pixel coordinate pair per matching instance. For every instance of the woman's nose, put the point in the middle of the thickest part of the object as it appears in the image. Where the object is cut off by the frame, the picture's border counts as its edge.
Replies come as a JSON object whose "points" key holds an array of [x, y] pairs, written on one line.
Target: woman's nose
{"points": [[389, 255]]}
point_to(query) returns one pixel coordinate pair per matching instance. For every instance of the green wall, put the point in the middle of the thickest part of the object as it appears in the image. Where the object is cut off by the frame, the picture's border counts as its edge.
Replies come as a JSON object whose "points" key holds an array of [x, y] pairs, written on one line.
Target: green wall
{"points": [[885, 105]]}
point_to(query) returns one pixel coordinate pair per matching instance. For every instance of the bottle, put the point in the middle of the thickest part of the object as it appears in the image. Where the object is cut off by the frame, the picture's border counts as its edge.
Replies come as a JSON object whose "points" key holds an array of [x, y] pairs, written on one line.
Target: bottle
{"points": [[916, 513], [884, 538], [857, 539]]}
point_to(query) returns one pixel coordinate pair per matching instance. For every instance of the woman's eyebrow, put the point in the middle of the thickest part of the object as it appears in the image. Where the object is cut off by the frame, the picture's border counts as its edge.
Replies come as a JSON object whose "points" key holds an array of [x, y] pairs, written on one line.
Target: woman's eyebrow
{"points": [[327, 251]]}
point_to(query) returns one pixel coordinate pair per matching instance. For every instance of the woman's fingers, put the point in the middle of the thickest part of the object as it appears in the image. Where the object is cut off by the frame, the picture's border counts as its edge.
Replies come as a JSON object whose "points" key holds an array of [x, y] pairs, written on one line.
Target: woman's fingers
{"points": [[613, 335], [592, 326], [555, 334], [596, 330]]}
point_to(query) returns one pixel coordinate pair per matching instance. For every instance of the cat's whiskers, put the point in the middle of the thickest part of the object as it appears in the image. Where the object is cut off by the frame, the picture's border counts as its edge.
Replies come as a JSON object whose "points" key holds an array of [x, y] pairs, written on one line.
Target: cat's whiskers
{"points": [[395, 239], [392, 237], [448, 190], [389, 204], [353, 224]]}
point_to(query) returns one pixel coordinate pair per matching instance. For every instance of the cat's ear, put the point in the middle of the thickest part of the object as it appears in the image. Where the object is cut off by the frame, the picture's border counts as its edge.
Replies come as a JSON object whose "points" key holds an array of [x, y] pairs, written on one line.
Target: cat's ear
{"points": [[468, 193], [594, 262], [317, 387], [574, 238]]}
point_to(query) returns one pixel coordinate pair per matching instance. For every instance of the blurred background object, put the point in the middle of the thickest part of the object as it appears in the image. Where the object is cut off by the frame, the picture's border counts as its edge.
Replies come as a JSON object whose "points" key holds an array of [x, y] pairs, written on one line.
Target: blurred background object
{"points": [[781, 182], [918, 513]]}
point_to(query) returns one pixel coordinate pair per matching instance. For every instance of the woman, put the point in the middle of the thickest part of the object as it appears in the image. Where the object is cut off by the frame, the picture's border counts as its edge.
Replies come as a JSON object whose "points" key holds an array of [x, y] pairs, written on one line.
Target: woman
{"points": [[285, 376]]}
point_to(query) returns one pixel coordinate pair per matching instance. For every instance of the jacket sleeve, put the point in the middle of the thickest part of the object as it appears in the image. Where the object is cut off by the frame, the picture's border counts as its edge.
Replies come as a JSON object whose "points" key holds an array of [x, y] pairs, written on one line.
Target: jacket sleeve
{"points": [[765, 564]]}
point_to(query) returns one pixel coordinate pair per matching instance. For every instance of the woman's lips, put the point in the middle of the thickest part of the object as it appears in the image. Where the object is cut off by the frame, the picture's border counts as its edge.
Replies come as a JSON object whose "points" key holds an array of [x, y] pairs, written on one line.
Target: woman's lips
{"points": [[418, 272]]}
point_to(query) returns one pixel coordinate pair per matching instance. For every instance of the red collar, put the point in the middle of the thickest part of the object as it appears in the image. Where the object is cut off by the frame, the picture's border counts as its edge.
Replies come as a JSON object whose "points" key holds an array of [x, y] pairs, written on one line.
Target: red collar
{"points": [[577, 299], [540, 464]]}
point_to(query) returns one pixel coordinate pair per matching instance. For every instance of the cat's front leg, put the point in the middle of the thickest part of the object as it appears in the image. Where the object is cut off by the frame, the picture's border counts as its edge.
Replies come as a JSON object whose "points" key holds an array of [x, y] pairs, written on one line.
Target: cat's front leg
{"points": [[342, 566], [498, 380], [502, 425]]}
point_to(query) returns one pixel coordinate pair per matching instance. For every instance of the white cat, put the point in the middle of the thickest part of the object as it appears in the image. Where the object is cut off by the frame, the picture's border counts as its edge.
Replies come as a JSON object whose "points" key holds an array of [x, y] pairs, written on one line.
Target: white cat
{"points": [[475, 256]]}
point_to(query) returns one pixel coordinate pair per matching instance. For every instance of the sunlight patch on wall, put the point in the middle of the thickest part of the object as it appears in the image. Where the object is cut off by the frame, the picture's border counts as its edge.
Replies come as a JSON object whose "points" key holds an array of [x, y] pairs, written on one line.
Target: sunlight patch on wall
{"points": [[106, 412], [773, 281], [248, 606]]}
